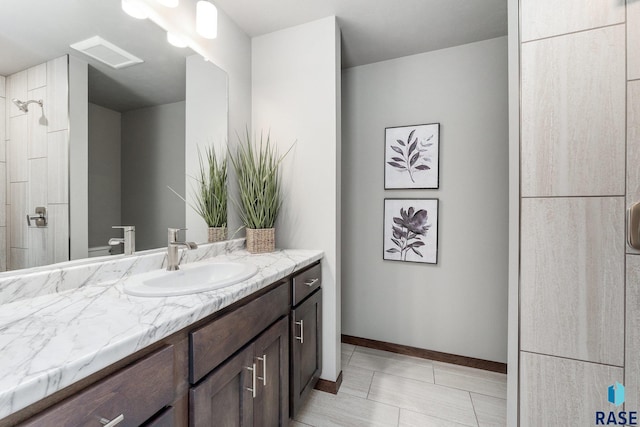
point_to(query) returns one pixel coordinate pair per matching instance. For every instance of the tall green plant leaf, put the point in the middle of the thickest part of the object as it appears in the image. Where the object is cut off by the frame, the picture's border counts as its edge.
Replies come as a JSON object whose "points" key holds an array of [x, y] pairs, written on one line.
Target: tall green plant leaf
{"points": [[258, 174]]}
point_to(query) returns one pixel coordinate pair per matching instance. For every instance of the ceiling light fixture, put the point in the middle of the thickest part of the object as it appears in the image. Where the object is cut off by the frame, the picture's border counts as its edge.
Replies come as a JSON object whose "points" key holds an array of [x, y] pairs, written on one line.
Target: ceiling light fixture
{"points": [[206, 19], [176, 40], [169, 3], [135, 8]]}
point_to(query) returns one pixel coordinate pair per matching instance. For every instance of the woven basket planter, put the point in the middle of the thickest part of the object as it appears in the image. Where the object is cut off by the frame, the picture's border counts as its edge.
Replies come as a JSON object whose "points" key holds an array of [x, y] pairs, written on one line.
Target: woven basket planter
{"points": [[217, 234], [261, 240]]}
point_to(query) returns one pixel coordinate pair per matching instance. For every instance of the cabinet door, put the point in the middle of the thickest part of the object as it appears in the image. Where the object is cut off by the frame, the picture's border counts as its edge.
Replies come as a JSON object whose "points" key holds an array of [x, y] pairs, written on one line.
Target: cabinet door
{"points": [[225, 397], [271, 407], [306, 354]]}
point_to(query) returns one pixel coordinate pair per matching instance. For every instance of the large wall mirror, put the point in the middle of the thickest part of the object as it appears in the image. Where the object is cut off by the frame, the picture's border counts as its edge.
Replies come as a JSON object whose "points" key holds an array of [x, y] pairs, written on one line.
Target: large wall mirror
{"points": [[107, 142]]}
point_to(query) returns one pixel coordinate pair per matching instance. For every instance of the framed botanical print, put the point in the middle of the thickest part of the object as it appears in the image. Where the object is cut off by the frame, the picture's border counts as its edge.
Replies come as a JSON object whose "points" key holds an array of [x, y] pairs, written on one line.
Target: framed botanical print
{"points": [[412, 157], [411, 230]]}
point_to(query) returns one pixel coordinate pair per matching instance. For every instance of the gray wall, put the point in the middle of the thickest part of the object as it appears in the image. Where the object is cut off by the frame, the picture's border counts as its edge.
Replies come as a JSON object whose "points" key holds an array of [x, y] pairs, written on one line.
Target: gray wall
{"points": [[458, 306], [104, 174], [153, 158]]}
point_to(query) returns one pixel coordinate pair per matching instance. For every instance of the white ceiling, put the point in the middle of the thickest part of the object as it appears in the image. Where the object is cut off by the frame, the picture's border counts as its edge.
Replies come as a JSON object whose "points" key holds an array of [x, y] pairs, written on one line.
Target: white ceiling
{"points": [[377, 30], [34, 31]]}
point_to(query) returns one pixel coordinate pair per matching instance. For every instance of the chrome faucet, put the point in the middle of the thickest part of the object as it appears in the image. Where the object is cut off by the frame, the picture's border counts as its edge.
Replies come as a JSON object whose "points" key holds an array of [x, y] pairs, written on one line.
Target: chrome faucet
{"points": [[129, 239], [173, 261]]}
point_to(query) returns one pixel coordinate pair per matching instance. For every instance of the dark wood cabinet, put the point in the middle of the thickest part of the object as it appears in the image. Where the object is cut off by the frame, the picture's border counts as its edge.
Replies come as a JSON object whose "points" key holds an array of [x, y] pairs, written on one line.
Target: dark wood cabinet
{"points": [[271, 407], [127, 398], [249, 389], [225, 397], [306, 348], [250, 364]]}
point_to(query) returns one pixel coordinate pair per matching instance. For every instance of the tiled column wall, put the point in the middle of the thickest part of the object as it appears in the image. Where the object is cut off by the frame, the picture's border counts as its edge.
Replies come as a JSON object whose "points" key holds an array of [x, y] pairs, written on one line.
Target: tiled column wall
{"points": [[632, 330], [573, 186], [37, 164], [3, 176]]}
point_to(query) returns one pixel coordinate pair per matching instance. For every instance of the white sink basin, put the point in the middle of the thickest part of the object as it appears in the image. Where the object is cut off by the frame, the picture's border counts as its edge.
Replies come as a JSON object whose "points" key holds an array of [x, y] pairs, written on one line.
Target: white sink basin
{"points": [[190, 279]]}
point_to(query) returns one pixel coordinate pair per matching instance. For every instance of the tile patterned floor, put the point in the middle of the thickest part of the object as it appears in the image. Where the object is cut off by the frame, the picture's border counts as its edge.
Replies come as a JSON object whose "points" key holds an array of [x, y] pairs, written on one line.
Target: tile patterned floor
{"points": [[387, 389]]}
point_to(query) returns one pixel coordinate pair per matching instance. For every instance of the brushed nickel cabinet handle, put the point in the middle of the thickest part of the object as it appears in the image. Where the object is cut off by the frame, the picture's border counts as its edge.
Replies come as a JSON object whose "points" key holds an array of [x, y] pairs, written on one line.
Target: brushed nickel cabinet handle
{"points": [[263, 359], [311, 282], [253, 380], [110, 423], [301, 337]]}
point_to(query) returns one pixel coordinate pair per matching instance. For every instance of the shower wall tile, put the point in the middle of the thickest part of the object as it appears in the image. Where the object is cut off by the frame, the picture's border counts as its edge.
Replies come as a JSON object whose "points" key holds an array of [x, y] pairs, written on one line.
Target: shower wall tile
{"points": [[572, 278], [37, 77], [57, 106], [632, 344], [7, 245], [37, 125], [38, 178], [17, 152], [545, 18], [561, 392], [3, 82], [3, 129], [58, 238], [58, 168], [633, 146], [39, 250], [16, 88], [3, 197], [573, 114], [18, 212], [18, 258], [3, 249], [633, 39]]}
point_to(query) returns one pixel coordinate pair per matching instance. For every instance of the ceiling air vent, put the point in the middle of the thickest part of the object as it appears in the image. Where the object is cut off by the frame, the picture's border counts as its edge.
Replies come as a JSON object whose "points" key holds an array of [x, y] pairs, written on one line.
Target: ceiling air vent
{"points": [[107, 53]]}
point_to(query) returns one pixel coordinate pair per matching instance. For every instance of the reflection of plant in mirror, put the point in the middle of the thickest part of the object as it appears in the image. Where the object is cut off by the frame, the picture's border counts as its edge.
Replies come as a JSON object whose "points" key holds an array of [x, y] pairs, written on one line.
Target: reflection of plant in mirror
{"points": [[257, 171], [211, 194], [407, 231]]}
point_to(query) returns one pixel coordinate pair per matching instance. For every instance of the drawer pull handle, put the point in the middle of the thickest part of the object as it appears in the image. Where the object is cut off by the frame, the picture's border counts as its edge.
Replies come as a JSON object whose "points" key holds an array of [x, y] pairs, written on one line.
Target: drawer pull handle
{"points": [[253, 380], [301, 337], [263, 359], [110, 423], [311, 282]]}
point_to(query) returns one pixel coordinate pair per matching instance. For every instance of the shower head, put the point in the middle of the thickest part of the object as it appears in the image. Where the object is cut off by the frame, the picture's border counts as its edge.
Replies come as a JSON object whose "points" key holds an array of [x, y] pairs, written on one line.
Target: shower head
{"points": [[23, 105]]}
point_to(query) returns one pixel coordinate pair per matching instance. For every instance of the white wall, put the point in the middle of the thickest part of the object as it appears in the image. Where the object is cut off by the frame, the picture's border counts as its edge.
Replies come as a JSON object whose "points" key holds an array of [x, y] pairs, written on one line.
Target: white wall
{"points": [[152, 159], [105, 137], [296, 92], [458, 306], [78, 171], [206, 125]]}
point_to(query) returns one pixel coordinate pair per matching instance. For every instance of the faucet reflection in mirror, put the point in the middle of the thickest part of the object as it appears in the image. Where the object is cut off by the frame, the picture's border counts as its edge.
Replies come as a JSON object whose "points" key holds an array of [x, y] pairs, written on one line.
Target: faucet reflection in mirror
{"points": [[128, 240], [33, 169]]}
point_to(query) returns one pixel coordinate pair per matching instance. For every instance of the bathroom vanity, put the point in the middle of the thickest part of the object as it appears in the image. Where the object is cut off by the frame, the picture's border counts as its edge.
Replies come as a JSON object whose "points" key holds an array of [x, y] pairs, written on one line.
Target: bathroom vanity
{"points": [[242, 355]]}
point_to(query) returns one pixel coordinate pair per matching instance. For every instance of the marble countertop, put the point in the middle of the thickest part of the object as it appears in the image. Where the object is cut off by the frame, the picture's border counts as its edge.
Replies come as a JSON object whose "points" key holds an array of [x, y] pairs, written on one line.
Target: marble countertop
{"points": [[51, 341]]}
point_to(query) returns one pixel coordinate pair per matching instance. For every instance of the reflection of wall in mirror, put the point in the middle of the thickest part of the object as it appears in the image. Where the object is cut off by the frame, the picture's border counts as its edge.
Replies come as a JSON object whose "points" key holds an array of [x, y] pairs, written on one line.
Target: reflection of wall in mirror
{"points": [[133, 157], [206, 124], [34, 170]]}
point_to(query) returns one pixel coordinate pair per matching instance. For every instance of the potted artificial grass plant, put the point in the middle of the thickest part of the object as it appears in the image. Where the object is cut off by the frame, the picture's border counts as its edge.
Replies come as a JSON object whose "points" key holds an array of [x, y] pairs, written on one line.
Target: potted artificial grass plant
{"points": [[258, 175], [211, 194]]}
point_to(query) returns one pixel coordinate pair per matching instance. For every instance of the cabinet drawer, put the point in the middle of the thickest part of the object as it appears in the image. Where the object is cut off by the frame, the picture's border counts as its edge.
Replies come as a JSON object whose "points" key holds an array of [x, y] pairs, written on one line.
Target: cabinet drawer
{"points": [[163, 419], [305, 283], [136, 392], [212, 344]]}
